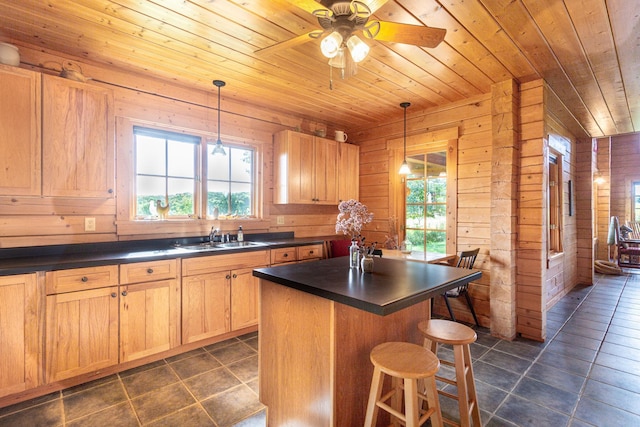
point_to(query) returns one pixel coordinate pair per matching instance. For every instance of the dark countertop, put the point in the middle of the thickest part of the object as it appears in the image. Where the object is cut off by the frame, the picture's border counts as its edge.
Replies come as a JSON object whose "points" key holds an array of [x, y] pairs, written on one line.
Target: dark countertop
{"points": [[60, 257], [393, 285]]}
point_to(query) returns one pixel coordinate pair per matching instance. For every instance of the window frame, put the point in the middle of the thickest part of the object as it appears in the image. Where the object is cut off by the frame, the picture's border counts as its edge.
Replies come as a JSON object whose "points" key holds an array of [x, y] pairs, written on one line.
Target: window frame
{"points": [[555, 203]]}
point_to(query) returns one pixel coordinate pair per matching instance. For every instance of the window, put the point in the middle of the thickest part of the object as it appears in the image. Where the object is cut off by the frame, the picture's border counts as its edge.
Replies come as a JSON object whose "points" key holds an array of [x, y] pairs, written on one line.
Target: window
{"points": [[168, 167], [554, 201], [426, 202], [230, 181], [635, 202]]}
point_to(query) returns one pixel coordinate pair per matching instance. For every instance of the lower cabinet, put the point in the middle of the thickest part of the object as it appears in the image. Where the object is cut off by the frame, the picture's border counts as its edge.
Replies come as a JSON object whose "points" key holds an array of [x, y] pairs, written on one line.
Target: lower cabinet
{"points": [[149, 308], [81, 332], [219, 294], [19, 333], [292, 254]]}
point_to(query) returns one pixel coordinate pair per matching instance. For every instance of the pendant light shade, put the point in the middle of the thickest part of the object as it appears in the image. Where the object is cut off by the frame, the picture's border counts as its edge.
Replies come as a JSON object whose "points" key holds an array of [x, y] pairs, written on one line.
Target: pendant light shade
{"points": [[218, 148], [330, 44], [404, 168]]}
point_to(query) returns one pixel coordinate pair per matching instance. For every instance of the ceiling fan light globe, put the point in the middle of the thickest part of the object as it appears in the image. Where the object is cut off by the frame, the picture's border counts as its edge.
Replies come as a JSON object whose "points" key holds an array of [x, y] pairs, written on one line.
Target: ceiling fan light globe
{"points": [[338, 61], [330, 45], [358, 49]]}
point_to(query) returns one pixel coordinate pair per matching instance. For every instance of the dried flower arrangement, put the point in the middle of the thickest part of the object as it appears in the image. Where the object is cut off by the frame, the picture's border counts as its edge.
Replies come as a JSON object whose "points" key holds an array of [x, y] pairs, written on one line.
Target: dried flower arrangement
{"points": [[353, 215]]}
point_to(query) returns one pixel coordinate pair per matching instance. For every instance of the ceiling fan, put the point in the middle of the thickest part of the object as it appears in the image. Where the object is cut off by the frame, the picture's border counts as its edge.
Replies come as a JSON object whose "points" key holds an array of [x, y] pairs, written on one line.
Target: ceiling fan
{"points": [[341, 19]]}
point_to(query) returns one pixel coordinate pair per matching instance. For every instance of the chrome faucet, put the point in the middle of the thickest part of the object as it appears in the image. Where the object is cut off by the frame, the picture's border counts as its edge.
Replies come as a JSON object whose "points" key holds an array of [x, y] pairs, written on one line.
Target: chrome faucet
{"points": [[213, 235]]}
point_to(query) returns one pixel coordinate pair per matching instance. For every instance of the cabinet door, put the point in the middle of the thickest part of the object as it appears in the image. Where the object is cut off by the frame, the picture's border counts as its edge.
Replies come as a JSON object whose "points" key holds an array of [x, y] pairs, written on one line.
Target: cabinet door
{"points": [[19, 132], [300, 168], [348, 171], [326, 171], [78, 139], [19, 333], [205, 306], [149, 318], [244, 299], [81, 332]]}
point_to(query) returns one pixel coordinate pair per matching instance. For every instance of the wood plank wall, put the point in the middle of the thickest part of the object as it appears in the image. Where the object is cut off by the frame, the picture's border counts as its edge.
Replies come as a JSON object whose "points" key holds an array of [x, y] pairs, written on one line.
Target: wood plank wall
{"points": [[602, 189], [61, 220], [585, 209], [473, 120], [625, 169]]}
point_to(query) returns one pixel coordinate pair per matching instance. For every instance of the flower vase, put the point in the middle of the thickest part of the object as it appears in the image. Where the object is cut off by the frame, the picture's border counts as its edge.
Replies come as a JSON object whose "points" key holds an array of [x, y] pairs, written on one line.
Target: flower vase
{"points": [[354, 255], [367, 264]]}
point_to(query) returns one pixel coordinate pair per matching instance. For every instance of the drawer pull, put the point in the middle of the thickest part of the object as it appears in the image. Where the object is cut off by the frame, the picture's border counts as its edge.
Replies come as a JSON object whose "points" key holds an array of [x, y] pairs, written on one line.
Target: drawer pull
{"points": [[310, 252], [114, 294], [85, 279], [285, 255], [228, 277], [235, 275], [150, 270], [124, 293]]}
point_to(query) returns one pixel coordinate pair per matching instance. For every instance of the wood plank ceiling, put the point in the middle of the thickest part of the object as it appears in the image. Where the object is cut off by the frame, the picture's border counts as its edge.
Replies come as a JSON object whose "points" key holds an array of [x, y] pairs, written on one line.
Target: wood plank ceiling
{"points": [[586, 50]]}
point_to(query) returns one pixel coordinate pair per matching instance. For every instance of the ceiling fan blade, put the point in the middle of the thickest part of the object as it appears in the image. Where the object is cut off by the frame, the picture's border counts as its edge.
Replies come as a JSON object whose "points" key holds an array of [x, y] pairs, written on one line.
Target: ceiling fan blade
{"points": [[410, 34], [307, 5], [375, 4], [293, 42]]}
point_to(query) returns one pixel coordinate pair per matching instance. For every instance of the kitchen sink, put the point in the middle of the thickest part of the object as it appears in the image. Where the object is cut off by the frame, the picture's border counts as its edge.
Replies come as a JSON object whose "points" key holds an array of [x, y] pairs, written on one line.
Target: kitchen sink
{"points": [[218, 246]]}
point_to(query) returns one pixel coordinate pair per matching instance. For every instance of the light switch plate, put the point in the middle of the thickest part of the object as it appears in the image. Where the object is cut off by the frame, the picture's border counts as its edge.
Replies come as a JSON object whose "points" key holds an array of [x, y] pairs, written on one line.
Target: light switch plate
{"points": [[280, 220]]}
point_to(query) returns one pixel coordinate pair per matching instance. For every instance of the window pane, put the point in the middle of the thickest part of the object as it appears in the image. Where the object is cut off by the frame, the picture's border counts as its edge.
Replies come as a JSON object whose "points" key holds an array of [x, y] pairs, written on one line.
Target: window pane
{"points": [[181, 159], [415, 216], [217, 165], [150, 155], [436, 217], [218, 197], [181, 196], [241, 199], [437, 190], [415, 191], [230, 182], [241, 165], [437, 242]]}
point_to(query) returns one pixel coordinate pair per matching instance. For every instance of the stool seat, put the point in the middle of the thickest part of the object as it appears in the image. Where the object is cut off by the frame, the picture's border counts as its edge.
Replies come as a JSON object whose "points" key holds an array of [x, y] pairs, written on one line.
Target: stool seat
{"points": [[459, 336], [404, 360], [447, 332], [412, 369]]}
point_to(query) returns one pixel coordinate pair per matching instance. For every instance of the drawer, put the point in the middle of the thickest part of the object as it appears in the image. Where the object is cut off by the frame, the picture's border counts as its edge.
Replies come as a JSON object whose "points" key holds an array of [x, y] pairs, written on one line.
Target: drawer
{"points": [[282, 255], [148, 271], [309, 252], [223, 262], [79, 279]]}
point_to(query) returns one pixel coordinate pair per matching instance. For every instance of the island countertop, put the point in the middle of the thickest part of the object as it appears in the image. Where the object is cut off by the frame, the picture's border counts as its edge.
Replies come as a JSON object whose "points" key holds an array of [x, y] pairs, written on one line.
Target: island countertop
{"points": [[393, 285]]}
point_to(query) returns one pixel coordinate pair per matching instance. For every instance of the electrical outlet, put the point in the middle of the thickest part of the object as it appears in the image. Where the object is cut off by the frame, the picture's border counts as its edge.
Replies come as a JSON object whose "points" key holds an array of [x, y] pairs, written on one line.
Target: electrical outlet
{"points": [[280, 220], [89, 224]]}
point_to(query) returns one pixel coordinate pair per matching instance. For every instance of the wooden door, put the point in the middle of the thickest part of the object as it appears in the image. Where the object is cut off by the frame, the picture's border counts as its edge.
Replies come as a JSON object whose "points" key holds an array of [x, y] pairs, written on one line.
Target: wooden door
{"points": [[81, 332], [205, 306], [78, 139], [348, 171], [325, 172], [19, 333], [149, 318], [244, 299], [20, 125]]}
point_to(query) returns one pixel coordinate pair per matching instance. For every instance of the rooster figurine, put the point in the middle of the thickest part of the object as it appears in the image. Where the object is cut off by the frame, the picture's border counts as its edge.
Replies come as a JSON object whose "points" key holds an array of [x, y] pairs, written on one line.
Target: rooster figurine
{"points": [[162, 210]]}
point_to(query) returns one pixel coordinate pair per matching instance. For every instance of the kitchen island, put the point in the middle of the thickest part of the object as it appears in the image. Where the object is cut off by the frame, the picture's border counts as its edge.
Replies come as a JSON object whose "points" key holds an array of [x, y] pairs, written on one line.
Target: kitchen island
{"points": [[318, 323]]}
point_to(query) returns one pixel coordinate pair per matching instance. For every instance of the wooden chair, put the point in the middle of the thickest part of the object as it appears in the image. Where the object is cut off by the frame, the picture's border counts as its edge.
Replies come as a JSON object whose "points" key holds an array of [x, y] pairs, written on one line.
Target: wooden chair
{"points": [[628, 251], [465, 260], [412, 368]]}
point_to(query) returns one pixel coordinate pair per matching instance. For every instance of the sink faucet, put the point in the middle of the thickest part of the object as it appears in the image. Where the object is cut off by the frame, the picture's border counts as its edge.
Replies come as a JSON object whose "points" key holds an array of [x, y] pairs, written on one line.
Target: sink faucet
{"points": [[214, 234]]}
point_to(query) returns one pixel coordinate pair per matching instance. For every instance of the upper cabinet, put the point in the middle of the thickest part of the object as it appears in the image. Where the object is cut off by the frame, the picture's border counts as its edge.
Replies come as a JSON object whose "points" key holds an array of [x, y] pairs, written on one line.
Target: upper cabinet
{"points": [[78, 139], [305, 169], [349, 171], [19, 132]]}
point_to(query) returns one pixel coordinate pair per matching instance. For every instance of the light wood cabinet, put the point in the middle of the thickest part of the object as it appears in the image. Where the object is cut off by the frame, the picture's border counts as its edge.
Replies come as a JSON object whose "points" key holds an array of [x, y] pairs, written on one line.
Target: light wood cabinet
{"points": [[20, 125], [81, 325], [19, 333], [78, 139], [149, 308], [293, 254], [219, 294], [348, 171], [305, 169]]}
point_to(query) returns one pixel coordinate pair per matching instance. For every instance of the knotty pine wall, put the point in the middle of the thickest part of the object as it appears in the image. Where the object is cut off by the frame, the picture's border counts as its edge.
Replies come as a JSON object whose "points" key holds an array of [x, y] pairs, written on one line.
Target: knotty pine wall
{"points": [[36, 221], [625, 169]]}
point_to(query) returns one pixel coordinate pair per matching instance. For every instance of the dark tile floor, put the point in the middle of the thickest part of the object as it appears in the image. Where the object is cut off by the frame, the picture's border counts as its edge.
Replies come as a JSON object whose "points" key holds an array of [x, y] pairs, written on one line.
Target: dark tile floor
{"points": [[586, 374]]}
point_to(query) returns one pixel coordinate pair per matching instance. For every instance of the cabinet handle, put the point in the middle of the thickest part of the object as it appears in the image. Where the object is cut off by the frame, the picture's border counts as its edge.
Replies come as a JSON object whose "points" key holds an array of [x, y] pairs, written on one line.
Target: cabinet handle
{"points": [[124, 293], [286, 255], [150, 270], [85, 279], [228, 277], [310, 252], [113, 294], [110, 191], [235, 275]]}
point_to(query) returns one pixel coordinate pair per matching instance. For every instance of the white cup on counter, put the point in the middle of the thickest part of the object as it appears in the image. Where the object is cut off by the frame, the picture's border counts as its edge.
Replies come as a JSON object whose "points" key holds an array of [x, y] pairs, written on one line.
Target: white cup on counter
{"points": [[341, 136]]}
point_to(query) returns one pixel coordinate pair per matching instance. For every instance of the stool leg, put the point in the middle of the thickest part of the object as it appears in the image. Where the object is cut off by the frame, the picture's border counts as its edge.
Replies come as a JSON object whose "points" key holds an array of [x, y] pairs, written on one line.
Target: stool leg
{"points": [[461, 383], [374, 396], [471, 384], [412, 413], [396, 399], [431, 392]]}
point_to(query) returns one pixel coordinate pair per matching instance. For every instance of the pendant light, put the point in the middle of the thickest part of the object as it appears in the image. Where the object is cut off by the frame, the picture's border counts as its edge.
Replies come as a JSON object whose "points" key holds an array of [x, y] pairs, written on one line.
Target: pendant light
{"points": [[404, 168], [218, 148]]}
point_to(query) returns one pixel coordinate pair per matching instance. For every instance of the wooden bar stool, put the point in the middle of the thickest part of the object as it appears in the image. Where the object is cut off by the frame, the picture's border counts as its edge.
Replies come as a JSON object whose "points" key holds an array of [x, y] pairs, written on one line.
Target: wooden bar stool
{"points": [[411, 363], [439, 331]]}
